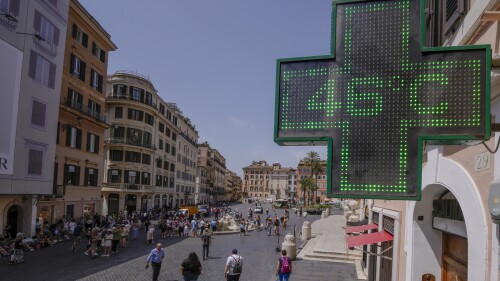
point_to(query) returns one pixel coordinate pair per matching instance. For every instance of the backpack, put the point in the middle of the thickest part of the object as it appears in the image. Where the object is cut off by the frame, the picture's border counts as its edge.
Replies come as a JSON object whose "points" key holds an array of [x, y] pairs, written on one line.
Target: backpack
{"points": [[285, 265], [237, 266]]}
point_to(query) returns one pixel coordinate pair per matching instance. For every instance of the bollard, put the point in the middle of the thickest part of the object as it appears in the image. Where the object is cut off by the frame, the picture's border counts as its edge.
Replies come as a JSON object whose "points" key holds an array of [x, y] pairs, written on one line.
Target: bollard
{"points": [[323, 215], [327, 211], [289, 246], [306, 230]]}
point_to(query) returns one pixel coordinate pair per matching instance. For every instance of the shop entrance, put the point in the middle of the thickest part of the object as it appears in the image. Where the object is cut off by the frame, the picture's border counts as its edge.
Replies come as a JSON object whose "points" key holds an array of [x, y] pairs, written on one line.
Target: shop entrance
{"points": [[15, 219]]}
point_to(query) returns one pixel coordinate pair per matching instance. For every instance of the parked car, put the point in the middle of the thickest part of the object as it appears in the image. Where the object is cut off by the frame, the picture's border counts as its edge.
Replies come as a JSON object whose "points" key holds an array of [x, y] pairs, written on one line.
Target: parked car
{"points": [[258, 210]]}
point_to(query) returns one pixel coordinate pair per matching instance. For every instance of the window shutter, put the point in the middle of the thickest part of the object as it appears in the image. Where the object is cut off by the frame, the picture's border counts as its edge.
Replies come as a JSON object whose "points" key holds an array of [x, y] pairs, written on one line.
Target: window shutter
{"points": [[131, 92], [57, 134], [88, 141], [115, 90], [99, 83], [96, 145], [68, 135], [91, 77], [65, 176], [52, 76], [32, 67], [14, 7], [86, 177], [83, 69], [126, 176], [38, 20], [103, 56], [80, 100], [93, 48], [75, 29], [78, 138], [453, 10], [85, 40], [77, 176], [72, 65], [124, 89], [142, 95], [55, 39]]}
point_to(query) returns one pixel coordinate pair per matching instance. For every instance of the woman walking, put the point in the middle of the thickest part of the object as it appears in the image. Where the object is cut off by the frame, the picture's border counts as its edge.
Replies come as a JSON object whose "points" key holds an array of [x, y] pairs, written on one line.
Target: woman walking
{"points": [[191, 267]]}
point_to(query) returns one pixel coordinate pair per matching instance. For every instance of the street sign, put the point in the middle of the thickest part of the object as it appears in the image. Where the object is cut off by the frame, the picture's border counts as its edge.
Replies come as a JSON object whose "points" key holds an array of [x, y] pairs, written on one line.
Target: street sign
{"points": [[380, 96]]}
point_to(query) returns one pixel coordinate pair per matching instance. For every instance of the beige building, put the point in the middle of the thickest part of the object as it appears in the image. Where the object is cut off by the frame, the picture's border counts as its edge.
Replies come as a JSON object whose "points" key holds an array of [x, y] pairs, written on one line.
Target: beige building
{"points": [[211, 174], [187, 158], [141, 147], [256, 180], [233, 186], [319, 195], [79, 161], [32, 44], [282, 182]]}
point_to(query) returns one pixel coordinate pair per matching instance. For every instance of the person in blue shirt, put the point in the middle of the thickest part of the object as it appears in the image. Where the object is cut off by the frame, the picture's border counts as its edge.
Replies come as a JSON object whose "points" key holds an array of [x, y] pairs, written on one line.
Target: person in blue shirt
{"points": [[155, 258]]}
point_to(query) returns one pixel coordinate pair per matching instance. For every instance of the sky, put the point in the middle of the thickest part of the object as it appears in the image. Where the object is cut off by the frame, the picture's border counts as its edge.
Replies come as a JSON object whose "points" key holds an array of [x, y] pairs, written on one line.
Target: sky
{"points": [[216, 59]]}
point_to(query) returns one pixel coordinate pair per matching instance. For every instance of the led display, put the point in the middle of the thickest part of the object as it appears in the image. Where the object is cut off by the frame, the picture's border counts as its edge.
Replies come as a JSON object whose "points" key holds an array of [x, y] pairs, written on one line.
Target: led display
{"points": [[379, 97]]}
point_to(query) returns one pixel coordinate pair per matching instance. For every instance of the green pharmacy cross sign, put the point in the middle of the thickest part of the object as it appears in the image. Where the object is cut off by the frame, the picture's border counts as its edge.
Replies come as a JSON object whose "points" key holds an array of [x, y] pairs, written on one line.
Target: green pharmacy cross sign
{"points": [[380, 96]]}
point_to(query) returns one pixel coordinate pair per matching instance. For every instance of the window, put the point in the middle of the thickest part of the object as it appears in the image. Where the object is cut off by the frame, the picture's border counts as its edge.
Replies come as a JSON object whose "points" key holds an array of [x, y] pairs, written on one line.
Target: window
{"points": [[94, 109], [135, 114], [38, 112], [148, 139], [148, 119], [162, 109], [42, 70], [165, 165], [10, 7], [119, 91], [167, 147], [169, 115], [172, 167], [71, 175], [149, 98], [146, 178], [174, 120], [167, 132], [161, 127], [160, 144], [159, 180], [99, 53], [90, 177], [134, 136], [174, 136], [118, 132], [35, 162], [146, 159], [172, 183], [173, 151], [46, 30], [114, 176], [116, 155], [77, 67], [118, 112], [133, 177], [73, 137], [80, 36], [74, 100], [136, 94], [159, 163], [165, 181], [92, 143], [131, 156], [95, 80]]}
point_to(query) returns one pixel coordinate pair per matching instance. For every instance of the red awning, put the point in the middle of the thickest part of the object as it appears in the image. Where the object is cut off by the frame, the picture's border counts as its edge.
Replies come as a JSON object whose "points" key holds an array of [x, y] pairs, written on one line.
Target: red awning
{"points": [[360, 228], [365, 239]]}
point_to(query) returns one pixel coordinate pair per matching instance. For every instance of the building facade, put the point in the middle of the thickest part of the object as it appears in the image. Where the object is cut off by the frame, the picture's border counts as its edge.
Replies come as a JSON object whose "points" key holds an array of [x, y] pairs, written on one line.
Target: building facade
{"points": [[282, 182], [318, 195], [448, 234], [79, 160], [256, 180], [187, 159], [32, 36]]}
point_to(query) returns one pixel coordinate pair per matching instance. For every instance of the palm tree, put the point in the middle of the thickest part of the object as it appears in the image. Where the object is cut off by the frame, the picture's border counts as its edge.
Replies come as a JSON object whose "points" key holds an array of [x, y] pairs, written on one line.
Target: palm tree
{"points": [[317, 168], [312, 161], [306, 184]]}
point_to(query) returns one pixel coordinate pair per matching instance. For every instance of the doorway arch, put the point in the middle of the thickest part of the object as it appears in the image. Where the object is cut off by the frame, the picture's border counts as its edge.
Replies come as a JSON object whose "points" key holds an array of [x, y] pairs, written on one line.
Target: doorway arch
{"points": [[130, 203], [438, 175], [14, 219]]}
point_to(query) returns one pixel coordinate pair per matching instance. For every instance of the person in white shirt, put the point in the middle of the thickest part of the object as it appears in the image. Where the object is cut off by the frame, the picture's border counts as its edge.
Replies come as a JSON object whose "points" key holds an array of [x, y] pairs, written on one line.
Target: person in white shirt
{"points": [[234, 266]]}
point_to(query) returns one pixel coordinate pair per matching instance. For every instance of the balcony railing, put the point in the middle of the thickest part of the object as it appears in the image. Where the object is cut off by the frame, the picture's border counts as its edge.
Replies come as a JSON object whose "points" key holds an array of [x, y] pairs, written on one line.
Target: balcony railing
{"points": [[121, 96], [85, 110], [131, 142], [129, 187], [49, 47], [8, 18]]}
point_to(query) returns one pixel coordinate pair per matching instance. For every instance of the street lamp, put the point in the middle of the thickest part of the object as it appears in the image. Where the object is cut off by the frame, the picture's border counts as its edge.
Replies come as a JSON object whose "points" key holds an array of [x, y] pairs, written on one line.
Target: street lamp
{"points": [[35, 35]]}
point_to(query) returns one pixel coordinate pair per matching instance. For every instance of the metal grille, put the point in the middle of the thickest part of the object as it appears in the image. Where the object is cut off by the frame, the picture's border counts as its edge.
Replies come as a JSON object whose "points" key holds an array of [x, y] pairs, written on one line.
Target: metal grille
{"points": [[388, 224], [375, 217]]}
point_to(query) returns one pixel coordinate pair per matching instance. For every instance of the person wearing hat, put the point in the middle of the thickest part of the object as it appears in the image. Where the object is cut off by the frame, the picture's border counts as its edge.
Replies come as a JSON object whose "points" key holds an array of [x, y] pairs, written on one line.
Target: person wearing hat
{"points": [[234, 266]]}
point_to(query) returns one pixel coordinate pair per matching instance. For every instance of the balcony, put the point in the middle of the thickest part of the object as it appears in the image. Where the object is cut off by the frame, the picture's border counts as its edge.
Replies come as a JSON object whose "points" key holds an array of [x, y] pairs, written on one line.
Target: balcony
{"points": [[131, 142], [127, 187], [85, 110], [48, 47], [8, 19], [122, 96]]}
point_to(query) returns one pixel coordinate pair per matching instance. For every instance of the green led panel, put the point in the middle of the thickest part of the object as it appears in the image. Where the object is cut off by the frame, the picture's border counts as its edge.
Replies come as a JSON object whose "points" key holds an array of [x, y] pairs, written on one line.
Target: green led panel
{"points": [[379, 97]]}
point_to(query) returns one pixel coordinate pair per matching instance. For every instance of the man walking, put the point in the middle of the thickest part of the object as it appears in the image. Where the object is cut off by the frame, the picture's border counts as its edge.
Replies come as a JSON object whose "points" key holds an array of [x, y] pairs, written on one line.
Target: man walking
{"points": [[155, 258], [207, 240], [234, 266]]}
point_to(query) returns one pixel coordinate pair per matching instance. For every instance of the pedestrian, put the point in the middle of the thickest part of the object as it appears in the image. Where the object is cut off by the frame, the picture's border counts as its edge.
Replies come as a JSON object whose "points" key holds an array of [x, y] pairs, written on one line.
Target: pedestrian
{"points": [[108, 237], [191, 267], [284, 267], [116, 239], [17, 255], [207, 241], [150, 234], [234, 266], [155, 258]]}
